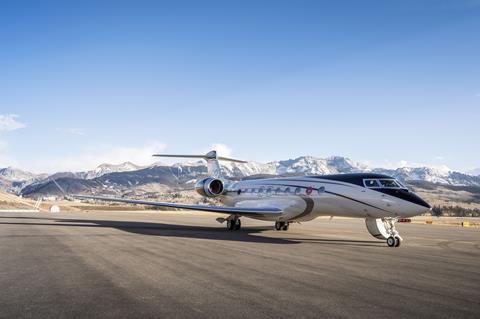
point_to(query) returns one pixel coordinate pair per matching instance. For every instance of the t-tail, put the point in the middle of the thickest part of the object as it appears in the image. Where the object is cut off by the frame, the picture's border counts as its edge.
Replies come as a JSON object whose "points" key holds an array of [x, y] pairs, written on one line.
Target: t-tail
{"points": [[214, 169]]}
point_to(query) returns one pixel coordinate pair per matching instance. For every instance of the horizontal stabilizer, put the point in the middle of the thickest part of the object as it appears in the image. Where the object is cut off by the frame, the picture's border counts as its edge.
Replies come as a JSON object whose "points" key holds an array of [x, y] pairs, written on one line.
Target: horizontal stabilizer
{"points": [[209, 156]]}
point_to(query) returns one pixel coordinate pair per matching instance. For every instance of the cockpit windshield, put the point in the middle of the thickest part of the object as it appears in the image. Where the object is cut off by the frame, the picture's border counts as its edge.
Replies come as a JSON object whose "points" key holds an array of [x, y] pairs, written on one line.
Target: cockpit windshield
{"points": [[389, 183], [383, 183]]}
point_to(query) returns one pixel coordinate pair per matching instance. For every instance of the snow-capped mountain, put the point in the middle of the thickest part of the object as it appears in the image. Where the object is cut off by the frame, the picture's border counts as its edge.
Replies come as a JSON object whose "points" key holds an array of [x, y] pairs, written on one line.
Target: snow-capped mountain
{"points": [[14, 180], [308, 165], [128, 176], [433, 175], [111, 168], [16, 175], [304, 165]]}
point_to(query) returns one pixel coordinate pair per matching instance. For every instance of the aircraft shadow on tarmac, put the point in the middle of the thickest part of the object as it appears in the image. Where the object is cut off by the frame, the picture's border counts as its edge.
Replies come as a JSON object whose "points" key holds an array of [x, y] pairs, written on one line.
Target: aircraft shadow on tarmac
{"points": [[246, 234]]}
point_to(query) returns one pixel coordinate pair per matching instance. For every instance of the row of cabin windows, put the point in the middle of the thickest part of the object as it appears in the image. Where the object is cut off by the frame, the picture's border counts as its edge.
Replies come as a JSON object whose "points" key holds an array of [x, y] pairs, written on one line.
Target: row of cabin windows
{"points": [[277, 191]]}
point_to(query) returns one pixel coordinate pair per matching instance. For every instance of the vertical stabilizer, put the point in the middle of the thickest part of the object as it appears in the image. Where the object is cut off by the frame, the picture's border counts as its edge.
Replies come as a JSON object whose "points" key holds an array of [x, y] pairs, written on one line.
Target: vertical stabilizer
{"points": [[213, 166]]}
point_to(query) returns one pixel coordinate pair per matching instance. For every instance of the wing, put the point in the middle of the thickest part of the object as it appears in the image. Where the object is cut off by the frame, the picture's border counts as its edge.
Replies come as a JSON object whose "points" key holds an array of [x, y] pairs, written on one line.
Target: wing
{"points": [[257, 211]]}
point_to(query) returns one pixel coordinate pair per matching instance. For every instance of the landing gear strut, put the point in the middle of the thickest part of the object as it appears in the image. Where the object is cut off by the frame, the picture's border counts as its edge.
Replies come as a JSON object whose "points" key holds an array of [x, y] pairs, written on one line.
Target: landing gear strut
{"points": [[234, 223], [282, 225], [394, 240]]}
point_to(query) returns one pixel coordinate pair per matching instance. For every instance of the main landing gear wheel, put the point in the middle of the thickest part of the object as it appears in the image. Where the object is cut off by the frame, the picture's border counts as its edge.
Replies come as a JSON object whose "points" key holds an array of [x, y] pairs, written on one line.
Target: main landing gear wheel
{"points": [[234, 224], [282, 225], [278, 225]]}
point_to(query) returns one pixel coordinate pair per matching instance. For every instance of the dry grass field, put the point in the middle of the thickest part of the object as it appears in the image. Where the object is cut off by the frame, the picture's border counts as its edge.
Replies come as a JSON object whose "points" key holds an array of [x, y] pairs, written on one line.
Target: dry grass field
{"points": [[9, 201], [443, 196]]}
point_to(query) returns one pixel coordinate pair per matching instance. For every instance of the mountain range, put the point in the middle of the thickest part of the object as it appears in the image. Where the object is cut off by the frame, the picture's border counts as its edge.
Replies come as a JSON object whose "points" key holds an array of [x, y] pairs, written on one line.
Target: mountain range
{"points": [[128, 178], [474, 172]]}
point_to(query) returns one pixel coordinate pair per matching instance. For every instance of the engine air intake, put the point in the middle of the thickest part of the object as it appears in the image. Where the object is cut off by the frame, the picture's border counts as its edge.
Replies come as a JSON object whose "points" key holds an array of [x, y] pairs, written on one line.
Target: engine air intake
{"points": [[209, 187]]}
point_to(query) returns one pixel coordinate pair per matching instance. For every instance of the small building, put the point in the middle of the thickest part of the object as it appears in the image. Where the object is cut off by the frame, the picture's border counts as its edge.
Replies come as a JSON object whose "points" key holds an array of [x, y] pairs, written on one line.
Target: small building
{"points": [[55, 209]]}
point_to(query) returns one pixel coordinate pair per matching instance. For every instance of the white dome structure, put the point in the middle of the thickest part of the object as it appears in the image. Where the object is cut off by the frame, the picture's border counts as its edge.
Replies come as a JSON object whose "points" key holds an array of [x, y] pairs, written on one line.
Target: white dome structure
{"points": [[55, 209]]}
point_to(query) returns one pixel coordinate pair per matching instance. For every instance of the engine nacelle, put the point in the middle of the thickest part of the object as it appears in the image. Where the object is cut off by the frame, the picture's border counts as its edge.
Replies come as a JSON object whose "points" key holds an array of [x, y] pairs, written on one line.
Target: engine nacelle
{"points": [[209, 187], [376, 228]]}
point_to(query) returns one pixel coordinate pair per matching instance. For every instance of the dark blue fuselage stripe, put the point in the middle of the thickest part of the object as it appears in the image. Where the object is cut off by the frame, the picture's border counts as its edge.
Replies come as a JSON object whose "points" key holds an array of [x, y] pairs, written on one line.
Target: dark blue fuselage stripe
{"points": [[308, 208]]}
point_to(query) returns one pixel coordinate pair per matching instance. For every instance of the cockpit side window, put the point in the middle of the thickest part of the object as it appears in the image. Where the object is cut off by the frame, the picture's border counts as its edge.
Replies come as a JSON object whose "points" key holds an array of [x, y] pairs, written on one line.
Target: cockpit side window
{"points": [[371, 183], [389, 183]]}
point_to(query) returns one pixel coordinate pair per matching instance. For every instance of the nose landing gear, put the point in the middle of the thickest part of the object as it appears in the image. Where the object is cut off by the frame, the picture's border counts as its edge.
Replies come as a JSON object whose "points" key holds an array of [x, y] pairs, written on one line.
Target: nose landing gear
{"points": [[384, 229], [394, 240]]}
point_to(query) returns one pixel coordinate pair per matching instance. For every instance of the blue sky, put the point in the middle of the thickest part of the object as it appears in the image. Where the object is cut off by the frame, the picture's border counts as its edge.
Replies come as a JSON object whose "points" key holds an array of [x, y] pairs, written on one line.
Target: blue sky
{"points": [[389, 83]]}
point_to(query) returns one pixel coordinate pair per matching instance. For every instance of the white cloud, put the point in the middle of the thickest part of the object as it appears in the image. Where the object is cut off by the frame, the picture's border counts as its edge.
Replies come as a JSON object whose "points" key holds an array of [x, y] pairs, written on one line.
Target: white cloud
{"points": [[5, 161], [72, 131], [9, 123], [222, 149], [111, 154], [403, 163]]}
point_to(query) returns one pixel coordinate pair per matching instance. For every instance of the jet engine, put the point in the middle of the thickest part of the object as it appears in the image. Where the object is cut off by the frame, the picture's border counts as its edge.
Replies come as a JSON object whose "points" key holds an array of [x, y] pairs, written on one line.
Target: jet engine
{"points": [[209, 187], [376, 228]]}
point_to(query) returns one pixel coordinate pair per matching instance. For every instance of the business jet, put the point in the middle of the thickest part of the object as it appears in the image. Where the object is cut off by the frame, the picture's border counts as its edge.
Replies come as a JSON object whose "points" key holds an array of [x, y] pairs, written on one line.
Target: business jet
{"points": [[379, 199]]}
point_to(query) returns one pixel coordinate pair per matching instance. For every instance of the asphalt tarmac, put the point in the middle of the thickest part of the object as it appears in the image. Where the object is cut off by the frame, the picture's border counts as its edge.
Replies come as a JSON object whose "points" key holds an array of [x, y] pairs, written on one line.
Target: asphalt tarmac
{"points": [[183, 265]]}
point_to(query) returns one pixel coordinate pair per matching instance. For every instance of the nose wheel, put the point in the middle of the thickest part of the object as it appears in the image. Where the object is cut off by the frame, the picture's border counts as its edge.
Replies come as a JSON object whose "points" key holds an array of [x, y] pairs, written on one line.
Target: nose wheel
{"points": [[394, 240], [282, 225]]}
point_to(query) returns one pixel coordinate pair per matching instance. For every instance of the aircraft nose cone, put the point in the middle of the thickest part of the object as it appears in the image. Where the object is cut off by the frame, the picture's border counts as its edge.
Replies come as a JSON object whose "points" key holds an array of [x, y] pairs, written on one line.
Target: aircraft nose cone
{"points": [[419, 201], [427, 205]]}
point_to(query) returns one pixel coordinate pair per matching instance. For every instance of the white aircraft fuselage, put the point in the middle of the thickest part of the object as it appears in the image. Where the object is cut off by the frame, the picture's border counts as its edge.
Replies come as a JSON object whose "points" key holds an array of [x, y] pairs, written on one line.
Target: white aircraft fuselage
{"points": [[304, 198]]}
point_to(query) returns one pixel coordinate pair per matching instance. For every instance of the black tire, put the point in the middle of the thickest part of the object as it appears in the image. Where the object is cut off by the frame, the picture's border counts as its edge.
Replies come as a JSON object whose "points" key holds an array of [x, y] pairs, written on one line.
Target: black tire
{"points": [[391, 241], [278, 225], [238, 224], [285, 227], [230, 224], [398, 242]]}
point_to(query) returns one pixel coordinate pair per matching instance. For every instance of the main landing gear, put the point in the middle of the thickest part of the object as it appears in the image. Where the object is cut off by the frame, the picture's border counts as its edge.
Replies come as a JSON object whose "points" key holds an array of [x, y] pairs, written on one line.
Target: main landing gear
{"points": [[234, 224], [394, 240], [282, 225]]}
